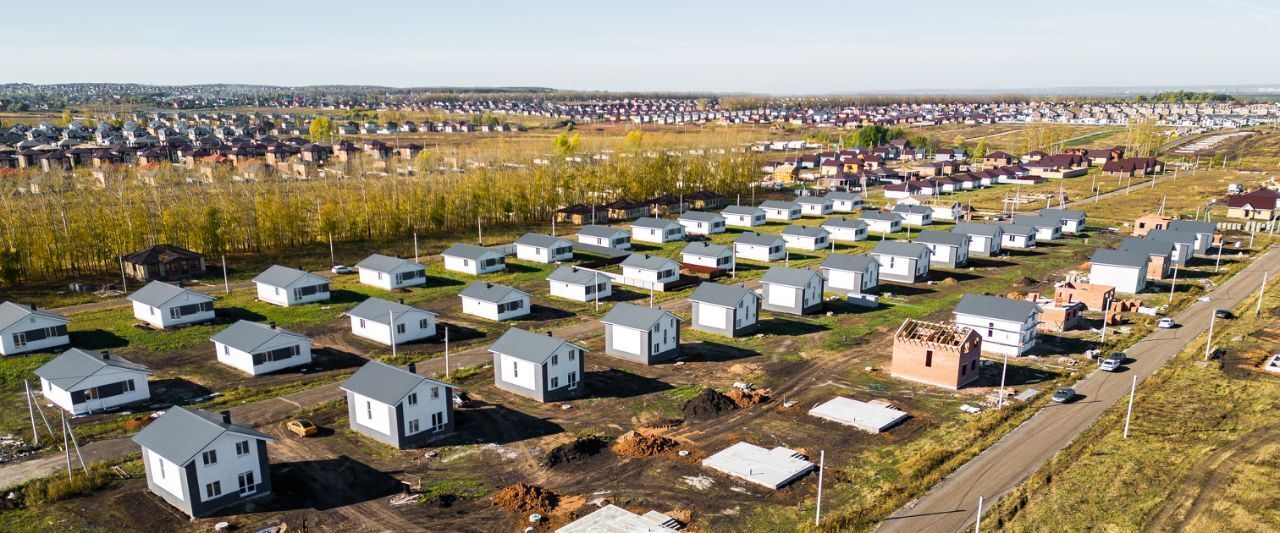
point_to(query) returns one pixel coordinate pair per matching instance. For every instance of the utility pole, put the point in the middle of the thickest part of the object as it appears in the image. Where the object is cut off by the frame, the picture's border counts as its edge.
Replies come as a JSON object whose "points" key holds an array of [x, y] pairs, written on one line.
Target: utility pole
{"points": [[66, 446], [1208, 343], [1258, 312], [977, 525], [479, 232], [31, 412], [595, 287], [1129, 414], [1217, 263], [822, 463], [446, 351], [415, 246], [332, 259], [391, 316], [226, 281], [1173, 283], [124, 280], [1003, 372]]}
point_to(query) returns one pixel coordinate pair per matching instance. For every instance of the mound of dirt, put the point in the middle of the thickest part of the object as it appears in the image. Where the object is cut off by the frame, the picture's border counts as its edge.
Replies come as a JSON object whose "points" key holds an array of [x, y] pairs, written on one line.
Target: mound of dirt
{"points": [[573, 451], [1025, 282], [747, 398], [708, 404], [634, 444], [524, 498], [948, 281]]}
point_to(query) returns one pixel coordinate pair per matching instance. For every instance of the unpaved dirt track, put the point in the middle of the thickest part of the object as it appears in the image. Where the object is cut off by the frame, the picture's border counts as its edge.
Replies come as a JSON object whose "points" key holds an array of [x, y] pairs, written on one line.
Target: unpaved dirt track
{"points": [[1205, 478]]}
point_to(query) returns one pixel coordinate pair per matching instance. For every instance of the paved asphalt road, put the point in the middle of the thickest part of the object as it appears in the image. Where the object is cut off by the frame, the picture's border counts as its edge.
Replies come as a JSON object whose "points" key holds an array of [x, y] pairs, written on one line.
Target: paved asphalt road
{"points": [[950, 505]]}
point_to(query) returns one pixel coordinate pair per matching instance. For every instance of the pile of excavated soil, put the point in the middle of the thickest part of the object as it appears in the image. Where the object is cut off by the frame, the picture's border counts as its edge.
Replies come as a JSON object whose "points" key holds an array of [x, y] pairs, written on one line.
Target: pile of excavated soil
{"points": [[1025, 282], [523, 498], [708, 404], [747, 398], [634, 444], [576, 450]]}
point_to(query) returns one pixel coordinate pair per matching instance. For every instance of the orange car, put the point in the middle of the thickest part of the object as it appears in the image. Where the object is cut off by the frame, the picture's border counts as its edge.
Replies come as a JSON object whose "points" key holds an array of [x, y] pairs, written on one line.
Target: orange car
{"points": [[302, 427]]}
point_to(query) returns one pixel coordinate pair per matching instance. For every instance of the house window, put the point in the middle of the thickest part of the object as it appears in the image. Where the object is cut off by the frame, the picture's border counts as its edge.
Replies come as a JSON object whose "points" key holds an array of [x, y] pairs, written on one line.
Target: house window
{"points": [[573, 354], [19, 339], [213, 490], [437, 421], [368, 410], [400, 328], [515, 369], [990, 328], [413, 399], [424, 323], [379, 276], [573, 379], [413, 426], [361, 323], [226, 350], [928, 358], [555, 382], [242, 448], [555, 359], [247, 486], [210, 457]]}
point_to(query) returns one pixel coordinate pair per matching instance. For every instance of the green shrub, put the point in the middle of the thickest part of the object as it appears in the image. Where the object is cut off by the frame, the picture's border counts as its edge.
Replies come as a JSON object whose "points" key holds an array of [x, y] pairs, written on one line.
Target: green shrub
{"points": [[58, 488]]}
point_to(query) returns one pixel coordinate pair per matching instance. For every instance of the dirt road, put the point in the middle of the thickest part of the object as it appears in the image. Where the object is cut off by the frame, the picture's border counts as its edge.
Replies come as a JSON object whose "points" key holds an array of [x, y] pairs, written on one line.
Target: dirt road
{"points": [[950, 505]]}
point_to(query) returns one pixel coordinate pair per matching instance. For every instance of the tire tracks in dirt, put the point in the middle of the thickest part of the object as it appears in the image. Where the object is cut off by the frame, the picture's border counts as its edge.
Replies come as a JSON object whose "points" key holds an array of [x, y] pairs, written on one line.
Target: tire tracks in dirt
{"points": [[1199, 486]]}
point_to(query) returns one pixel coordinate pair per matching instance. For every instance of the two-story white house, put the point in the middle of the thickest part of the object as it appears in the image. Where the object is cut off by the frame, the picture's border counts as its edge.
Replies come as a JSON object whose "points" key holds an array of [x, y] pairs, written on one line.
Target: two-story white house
{"points": [[945, 248], [257, 349], [494, 301], [390, 273], [83, 382], [539, 367], [374, 319], [729, 310], [398, 407], [643, 335], [288, 287], [1007, 327], [165, 306], [907, 262]]}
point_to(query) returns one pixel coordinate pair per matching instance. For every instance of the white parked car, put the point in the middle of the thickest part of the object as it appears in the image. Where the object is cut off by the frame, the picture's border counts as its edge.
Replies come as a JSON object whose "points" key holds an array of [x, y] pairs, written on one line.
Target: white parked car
{"points": [[1166, 323], [341, 269]]}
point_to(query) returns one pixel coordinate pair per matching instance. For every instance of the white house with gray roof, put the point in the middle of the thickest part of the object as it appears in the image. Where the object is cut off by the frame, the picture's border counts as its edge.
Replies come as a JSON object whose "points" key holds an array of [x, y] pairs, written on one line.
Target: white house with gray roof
{"points": [[200, 462], [257, 349], [604, 237], [1071, 220], [656, 230], [398, 407], [851, 274], [474, 260], [844, 202], [1126, 270], [1202, 230], [580, 284], [1184, 243], [815, 206], [845, 229], [541, 367], [760, 247], [795, 291], [945, 248], [907, 262], [743, 216], [494, 301], [800, 237], [83, 382], [1018, 236], [1007, 327], [729, 310], [914, 215], [649, 271], [373, 320], [165, 306], [882, 222], [288, 287], [1047, 229], [780, 210], [707, 255], [387, 272], [26, 328], [1159, 255], [701, 223], [643, 335], [541, 248], [984, 239]]}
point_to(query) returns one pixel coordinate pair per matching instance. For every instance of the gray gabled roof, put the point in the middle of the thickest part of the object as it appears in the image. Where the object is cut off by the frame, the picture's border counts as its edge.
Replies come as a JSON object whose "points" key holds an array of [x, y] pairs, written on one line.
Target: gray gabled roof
{"points": [[158, 293], [876, 214], [385, 383], [1125, 258], [1062, 214], [705, 249], [385, 263], [248, 336], [978, 228], [574, 275], [758, 239], [797, 230], [651, 222], [790, 277], [489, 292], [648, 262], [1019, 229], [943, 238], [1149, 246], [843, 196], [1178, 237], [539, 240], [282, 276], [379, 311], [606, 232], [73, 366], [741, 210], [468, 251], [778, 204], [848, 263], [914, 209], [182, 433], [528, 346], [11, 313], [720, 295], [1193, 226], [844, 223], [635, 317], [1037, 221], [814, 200], [996, 307], [902, 249], [701, 216]]}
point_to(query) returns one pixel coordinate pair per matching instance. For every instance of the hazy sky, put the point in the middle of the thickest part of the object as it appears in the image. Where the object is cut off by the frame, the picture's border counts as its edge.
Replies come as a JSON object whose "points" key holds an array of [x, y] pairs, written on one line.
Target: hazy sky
{"points": [[780, 46]]}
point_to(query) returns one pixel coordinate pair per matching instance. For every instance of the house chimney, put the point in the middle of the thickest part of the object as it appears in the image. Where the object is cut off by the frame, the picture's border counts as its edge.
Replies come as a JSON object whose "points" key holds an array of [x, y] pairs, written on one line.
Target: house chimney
{"points": [[226, 417], [105, 356], [413, 368], [33, 307], [400, 300], [272, 325], [548, 333]]}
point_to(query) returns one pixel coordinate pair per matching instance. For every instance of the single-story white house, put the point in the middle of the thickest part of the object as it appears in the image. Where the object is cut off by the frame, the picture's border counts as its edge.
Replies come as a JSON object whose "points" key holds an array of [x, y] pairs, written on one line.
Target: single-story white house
{"points": [[474, 260], [83, 382], [701, 223], [579, 284], [656, 230], [494, 302], [258, 349], [372, 320], [800, 237], [741, 216], [779, 210], [289, 286], [707, 255], [914, 215], [855, 274], [882, 222], [605, 237], [541, 248], [1126, 270], [759, 247], [26, 328], [387, 272], [845, 202], [844, 229], [815, 206], [164, 306], [907, 262]]}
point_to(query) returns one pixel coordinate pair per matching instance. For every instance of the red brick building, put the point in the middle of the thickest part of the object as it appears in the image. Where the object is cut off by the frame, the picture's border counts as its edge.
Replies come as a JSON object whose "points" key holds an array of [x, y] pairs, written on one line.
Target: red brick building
{"points": [[942, 355]]}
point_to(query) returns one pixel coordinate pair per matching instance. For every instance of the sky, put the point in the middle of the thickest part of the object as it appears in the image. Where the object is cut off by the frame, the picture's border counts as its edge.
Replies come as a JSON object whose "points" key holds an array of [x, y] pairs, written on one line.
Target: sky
{"points": [[776, 47]]}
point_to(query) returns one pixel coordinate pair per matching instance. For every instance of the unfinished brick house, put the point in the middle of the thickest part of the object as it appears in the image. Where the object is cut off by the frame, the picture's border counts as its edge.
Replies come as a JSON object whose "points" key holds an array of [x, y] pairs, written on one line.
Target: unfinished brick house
{"points": [[942, 355], [1094, 296]]}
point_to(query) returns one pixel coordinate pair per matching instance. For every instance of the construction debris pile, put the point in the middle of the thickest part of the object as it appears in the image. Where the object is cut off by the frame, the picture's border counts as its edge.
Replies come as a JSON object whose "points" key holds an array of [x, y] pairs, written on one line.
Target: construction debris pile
{"points": [[12, 447], [746, 396], [576, 450], [708, 404], [639, 445]]}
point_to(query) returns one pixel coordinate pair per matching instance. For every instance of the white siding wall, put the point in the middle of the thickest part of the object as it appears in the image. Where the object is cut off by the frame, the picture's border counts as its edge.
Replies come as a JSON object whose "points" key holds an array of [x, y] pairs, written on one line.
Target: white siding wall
{"points": [[757, 252], [229, 465], [846, 234], [518, 372], [1126, 280], [426, 406], [458, 264], [105, 376], [1000, 336], [559, 372], [381, 332], [742, 221], [165, 474], [7, 346], [373, 414], [244, 361], [895, 266]]}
